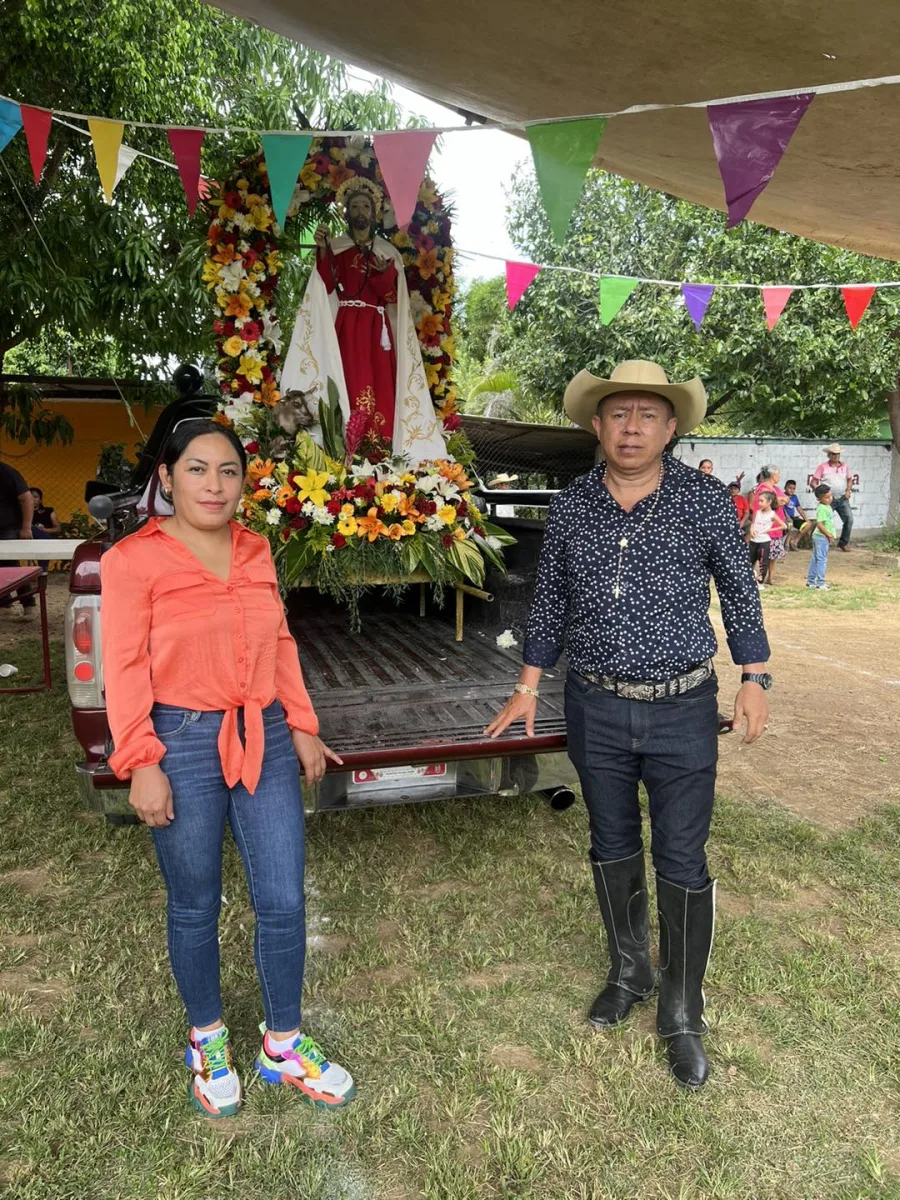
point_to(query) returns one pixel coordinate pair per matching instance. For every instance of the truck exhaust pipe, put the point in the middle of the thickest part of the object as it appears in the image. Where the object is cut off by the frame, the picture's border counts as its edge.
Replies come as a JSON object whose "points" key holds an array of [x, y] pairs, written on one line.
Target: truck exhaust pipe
{"points": [[560, 798]]}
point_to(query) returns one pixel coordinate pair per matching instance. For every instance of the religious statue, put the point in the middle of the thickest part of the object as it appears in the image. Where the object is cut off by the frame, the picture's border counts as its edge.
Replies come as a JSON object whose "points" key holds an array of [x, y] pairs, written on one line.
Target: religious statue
{"points": [[354, 326]]}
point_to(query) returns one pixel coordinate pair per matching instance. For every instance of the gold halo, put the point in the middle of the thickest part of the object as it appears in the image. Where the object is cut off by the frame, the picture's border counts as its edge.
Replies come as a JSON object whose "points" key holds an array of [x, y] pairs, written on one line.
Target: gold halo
{"points": [[359, 183]]}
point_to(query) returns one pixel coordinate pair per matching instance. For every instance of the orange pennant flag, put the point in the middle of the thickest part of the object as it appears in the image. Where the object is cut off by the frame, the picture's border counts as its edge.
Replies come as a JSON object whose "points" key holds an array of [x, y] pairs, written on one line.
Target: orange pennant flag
{"points": [[107, 138]]}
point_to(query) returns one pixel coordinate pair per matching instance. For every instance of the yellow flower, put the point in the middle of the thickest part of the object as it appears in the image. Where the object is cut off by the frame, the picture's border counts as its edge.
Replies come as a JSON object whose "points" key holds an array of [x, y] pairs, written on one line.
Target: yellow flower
{"points": [[260, 217], [311, 486], [432, 374], [427, 195], [447, 514], [273, 262], [233, 346], [347, 525], [448, 345], [346, 511], [401, 239], [310, 177], [408, 478], [210, 274], [389, 502], [226, 213], [338, 153], [432, 227], [408, 527], [250, 368], [459, 533], [242, 185], [253, 200]]}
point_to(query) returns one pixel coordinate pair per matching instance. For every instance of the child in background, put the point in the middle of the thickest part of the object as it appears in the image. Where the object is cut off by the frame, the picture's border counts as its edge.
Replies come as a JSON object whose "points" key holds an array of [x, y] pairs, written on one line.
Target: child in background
{"points": [[794, 514], [766, 522], [823, 539], [741, 504]]}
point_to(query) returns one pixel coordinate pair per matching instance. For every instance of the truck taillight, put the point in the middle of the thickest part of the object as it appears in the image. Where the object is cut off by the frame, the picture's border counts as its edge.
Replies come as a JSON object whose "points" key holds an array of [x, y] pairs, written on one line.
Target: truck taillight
{"points": [[83, 665]]}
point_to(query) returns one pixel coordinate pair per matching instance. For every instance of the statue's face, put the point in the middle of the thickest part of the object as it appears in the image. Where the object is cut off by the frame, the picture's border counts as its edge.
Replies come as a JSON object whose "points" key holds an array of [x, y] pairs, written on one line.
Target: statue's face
{"points": [[360, 216]]}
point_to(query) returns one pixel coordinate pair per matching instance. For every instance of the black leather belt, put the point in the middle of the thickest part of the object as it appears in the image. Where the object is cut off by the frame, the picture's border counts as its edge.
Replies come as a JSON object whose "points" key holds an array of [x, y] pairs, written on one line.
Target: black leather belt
{"points": [[636, 689]]}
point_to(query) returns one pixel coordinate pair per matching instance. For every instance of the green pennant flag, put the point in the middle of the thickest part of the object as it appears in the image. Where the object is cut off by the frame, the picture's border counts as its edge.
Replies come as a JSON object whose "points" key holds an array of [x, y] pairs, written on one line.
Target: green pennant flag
{"points": [[285, 155], [614, 291], [562, 152]]}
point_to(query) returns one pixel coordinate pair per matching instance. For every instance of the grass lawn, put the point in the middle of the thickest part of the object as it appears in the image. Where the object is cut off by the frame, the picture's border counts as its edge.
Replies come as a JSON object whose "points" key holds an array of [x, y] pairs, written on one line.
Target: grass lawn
{"points": [[454, 952]]}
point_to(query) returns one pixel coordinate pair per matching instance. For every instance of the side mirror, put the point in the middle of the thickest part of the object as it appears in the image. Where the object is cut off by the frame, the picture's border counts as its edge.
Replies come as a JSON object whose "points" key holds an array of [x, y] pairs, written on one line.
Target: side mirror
{"points": [[101, 508]]}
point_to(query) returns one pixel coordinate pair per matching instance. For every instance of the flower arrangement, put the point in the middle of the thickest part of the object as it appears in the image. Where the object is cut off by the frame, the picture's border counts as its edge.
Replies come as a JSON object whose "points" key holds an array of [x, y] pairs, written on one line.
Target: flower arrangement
{"points": [[241, 270], [344, 524]]}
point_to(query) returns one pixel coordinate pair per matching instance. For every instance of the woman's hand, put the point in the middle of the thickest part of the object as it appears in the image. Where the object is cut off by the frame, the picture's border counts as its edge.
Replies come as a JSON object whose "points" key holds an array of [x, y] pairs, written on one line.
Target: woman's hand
{"points": [[517, 708], [313, 755], [151, 796]]}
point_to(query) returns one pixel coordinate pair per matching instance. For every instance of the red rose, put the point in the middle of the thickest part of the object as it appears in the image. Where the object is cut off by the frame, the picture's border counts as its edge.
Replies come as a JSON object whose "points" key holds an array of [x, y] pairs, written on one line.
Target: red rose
{"points": [[428, 507], [338, 541], [260, 246], [252, 447], [452, 422], [293, 505], [219, 327], [299, 523], [229, 239], [250, 257], [225, 387], [333, 506], [251, 331], [447, 541], [233, 199], [243, 385]]}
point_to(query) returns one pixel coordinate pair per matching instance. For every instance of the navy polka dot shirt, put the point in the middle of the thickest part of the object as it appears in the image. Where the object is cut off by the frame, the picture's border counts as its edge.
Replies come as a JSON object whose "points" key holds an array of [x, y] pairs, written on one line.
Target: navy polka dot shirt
{"points": [[659, 626]]}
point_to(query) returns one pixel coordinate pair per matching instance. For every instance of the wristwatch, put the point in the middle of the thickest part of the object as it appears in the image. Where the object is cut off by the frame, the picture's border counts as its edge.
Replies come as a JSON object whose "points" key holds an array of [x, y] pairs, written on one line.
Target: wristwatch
{"points": [[764, 680]]}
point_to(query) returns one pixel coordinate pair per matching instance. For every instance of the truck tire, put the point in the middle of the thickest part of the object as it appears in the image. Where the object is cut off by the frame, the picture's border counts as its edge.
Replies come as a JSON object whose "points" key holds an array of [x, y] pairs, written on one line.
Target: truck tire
{"points": [[122, 818]]}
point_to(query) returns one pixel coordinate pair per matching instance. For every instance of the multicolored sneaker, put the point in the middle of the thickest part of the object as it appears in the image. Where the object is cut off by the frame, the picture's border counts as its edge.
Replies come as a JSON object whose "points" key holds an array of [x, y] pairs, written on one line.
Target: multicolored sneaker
{"points": [[304, 1066], [215, 1089]]}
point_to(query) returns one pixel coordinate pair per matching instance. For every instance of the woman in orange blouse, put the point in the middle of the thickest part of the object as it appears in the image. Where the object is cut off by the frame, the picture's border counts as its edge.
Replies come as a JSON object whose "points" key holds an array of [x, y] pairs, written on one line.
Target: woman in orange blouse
{"points": [[209, 715]]}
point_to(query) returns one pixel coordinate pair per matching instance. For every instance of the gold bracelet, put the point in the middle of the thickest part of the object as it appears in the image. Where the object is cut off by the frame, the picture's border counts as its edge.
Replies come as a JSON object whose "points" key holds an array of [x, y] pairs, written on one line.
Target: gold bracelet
{"points": [[524, 690]]}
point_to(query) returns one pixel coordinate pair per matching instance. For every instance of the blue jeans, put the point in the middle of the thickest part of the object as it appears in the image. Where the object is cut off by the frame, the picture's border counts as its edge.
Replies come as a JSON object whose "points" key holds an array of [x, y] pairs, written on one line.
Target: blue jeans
{"points": [[841, 506], [41, 534], [669, 745], [268, 829], [819, 560]]}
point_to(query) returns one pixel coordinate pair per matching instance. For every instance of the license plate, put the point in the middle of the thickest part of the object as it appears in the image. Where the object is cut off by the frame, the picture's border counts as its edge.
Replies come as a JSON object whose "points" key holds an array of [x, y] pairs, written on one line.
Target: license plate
{"points": [[386, 776]]}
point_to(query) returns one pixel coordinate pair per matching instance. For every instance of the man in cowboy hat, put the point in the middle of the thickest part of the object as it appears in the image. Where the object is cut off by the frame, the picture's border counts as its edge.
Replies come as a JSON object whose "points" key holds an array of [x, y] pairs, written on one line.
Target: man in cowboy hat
{"points": [[502, 483], [623, 588], [838, 476]]}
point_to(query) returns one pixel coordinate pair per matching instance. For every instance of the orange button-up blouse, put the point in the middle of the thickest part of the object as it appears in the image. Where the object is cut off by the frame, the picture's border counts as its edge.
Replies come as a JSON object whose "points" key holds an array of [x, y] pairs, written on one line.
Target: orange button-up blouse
{"points": [[174, 633]]}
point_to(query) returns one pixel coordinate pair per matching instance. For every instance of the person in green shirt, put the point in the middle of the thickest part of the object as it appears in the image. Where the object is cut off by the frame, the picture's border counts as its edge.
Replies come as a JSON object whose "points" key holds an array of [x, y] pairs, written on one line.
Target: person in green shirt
{"points": [[823, 539]]}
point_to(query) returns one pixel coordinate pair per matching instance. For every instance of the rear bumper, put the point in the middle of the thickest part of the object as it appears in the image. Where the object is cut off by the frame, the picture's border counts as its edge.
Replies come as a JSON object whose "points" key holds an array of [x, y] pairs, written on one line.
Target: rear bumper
{"points": [[100, 790]]}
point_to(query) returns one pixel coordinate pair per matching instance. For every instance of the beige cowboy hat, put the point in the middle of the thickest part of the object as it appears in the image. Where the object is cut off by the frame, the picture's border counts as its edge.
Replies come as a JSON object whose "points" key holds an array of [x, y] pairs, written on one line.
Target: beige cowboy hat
{"points": [[834, 448], [586, 391], [504, 478]]}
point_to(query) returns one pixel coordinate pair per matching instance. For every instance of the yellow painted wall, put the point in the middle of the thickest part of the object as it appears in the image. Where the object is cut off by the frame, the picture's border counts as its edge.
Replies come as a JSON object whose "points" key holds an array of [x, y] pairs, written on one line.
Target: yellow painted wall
{"points": [[62, 471]]}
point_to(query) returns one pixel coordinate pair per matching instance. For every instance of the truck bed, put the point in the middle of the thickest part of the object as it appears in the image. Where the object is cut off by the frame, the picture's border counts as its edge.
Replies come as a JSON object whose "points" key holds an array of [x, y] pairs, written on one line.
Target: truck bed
{"points": [[404, 691]]}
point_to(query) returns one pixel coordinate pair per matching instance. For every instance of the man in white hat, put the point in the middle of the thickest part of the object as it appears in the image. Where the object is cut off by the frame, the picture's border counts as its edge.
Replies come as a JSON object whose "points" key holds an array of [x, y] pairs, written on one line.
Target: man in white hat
{"points": [[502, 483], [837, 475], [623, 589]]}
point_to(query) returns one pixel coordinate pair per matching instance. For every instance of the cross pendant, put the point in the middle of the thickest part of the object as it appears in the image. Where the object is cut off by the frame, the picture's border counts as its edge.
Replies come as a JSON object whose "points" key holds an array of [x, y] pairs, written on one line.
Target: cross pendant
{"points": [[623, 542]]}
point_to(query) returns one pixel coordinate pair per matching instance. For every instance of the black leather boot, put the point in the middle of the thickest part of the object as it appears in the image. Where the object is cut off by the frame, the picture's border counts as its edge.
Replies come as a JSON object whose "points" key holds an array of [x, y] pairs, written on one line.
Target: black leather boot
{"points": [[622, 893], [686, 921]]}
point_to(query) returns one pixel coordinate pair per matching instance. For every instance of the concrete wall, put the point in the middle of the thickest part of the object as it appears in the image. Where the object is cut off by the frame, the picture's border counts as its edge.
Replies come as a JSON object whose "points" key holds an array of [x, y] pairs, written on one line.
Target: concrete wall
{"points": [[870, 461]]}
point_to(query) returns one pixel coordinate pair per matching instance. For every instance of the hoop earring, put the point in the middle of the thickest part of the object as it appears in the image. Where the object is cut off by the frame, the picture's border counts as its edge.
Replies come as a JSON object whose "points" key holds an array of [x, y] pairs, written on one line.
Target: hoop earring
{"points": [[167, 496]]}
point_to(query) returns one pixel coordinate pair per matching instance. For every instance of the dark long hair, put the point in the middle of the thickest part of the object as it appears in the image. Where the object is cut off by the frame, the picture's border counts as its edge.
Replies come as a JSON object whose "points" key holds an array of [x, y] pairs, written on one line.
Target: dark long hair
{"points": [[185, 432]]}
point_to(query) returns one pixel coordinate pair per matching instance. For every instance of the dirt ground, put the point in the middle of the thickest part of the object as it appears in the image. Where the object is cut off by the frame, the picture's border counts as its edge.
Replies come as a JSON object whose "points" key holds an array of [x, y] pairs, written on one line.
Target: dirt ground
{"points": [[832, 751]]}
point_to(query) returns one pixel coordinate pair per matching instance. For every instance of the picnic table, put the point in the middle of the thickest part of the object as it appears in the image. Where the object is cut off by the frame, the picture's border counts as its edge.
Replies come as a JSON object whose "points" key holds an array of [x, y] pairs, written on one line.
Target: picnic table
{"points": [[29, 581]]}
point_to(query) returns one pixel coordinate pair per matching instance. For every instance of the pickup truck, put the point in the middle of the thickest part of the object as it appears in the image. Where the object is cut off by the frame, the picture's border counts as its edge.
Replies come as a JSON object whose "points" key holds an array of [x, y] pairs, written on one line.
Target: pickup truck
{"points": [[403, 702]]}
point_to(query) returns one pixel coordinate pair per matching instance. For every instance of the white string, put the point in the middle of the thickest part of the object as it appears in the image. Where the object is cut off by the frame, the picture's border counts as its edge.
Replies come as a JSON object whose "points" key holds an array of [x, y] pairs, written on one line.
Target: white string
{"points": [[797, 287], [822, 89]]}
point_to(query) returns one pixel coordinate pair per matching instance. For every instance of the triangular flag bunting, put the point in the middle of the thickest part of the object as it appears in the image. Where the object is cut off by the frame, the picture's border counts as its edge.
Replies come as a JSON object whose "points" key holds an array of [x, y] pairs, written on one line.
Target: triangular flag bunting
{"points": [[403, 158], [186, 145], [749, 139], [696, 300], [285, 154], [10, 122], [774, 300], [614, 291], [856, 301], [107, 138], [127, 155], [563, 151], [519, 276], [37, 122]]}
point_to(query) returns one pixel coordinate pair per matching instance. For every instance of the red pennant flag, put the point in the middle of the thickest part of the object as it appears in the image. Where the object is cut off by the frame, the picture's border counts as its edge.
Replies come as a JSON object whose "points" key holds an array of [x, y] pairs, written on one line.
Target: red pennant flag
{"points": [[519, 277], [403, 158], [186, 145], [37, 122], [856, 301], [774, 300]]}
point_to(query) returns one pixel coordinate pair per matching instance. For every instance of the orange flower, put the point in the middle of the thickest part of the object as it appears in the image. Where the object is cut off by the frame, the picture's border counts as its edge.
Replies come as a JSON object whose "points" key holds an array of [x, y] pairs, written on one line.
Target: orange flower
{"points": [[221, 419], [238, 305], [369, 526], [257, 469], [226, 255], [427, 263], [456, 473], [407, 507], [269, 394], [262, 494], [395, 532], [337, 173], [430, 324], [459, 533], [448, 408], [283, 494]]}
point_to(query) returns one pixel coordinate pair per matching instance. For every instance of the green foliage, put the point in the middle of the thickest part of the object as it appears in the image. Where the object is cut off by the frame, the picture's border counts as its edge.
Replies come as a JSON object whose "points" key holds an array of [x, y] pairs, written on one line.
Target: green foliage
{"points": [[117, 288], [115, 466], [331, 421], [810, 376], [79, 525]]}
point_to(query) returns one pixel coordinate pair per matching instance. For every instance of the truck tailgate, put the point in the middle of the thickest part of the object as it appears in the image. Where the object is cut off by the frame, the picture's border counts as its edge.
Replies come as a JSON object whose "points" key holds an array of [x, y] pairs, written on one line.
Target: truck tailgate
{"points": [[404, 691]]}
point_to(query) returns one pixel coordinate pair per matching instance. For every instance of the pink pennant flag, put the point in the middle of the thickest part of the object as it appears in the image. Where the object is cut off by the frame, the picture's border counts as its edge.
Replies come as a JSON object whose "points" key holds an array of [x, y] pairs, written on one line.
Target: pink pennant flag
{"points": [[519, 277], [856, 301], [403, 158], [749, 139], [774, 300], [186, 145], [37, 122]]}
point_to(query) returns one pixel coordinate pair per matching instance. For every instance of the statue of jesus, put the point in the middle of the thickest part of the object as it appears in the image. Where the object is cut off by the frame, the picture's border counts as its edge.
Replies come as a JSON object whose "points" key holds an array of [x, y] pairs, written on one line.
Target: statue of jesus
{"points": [[354, 326]]}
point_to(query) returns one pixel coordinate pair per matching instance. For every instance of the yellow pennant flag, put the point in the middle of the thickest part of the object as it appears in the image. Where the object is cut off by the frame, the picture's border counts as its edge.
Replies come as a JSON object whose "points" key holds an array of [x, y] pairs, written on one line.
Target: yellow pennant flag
{"points": [[107, 138]]}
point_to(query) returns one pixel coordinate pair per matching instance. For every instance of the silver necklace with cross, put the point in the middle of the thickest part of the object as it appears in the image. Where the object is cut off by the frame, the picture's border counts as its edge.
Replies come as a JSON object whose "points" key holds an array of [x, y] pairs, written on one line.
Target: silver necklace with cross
{"points": [[624, 541]]}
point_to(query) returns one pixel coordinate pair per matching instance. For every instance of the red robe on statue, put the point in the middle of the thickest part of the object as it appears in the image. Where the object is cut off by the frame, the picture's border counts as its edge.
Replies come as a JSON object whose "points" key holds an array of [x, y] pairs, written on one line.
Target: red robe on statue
{"points": [[370, 370]]}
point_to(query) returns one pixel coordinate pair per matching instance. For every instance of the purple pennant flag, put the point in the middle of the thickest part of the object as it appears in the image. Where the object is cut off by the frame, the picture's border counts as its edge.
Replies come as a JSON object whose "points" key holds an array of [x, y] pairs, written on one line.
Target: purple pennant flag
{"points": [[696, 300], [749, 139]]}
